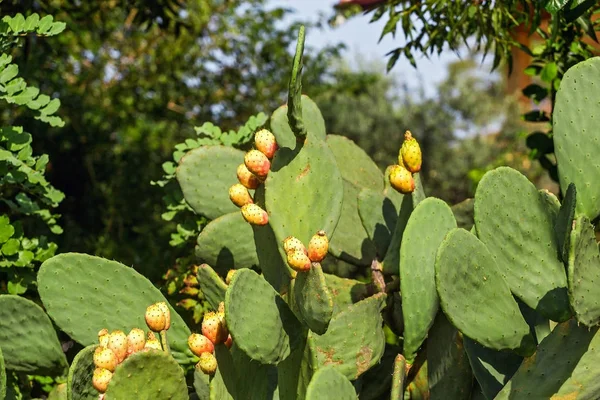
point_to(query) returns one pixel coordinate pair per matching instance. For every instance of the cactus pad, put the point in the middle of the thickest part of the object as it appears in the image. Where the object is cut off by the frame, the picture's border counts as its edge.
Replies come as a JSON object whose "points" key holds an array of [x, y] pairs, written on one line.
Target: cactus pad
{"points": [[271, 258], [226, 243], [575, 134], [517, 225], [202, 384], [463, 212], [378, 214], [212, 285], [205, 175], [28, 339], [345, 291], [391, 262], [84, 294], [475, 297], [429, 223], [313, 121], [59, 392], [584, 273], [312, 299], [149, 374], [564, 222], [326, 383], [355, 164], [2, 377], [79, 381], [260, 322]]}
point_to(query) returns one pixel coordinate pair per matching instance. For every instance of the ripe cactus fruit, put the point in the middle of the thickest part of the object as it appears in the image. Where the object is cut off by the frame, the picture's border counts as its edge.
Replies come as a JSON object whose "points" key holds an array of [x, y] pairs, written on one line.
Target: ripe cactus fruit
{"points": [[165, 309], [101, 378], [401, 179], [207, 363], [117, 342], [239, 195], [318, 246], [247, 178], [255, 215], [105, 358], [265, 142], [136, 340], [298, 260], [257, 163], [410, 153], [103, 337], [292, 243], [152, 342], [200, 344], [214, 328], [155, 318]]}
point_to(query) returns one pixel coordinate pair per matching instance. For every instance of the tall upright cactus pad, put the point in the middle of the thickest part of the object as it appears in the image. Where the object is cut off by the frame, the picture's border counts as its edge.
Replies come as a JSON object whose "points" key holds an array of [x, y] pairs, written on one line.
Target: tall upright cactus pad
{"points": [[149, 374], [311, 116], [312, 299], [575, 134], [212, 285], [391, 261], [475, 297], [205, 175], [429, 223], [328, 383], [517, 225], [260, 322], [584, 273], [84, 294], [79, 380], [271, 258], [28, 339], [565, 366], [355, 164], [378, 215]]}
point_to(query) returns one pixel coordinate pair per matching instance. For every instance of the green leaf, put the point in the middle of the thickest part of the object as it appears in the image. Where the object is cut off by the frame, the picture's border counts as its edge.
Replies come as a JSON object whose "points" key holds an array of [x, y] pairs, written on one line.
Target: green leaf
{"points": [[9, 73], [6, 229], [549, 72], [31, 22], [16, 23], [10, 247], [45, 24]]}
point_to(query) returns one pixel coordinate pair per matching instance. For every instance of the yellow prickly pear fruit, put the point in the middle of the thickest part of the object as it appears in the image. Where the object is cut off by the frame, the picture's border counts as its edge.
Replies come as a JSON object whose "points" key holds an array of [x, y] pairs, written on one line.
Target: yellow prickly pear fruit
{"points": [[298, 260], [229, 276], [401, 179], [265, 142], [207, 363], [247, 178], [165, 309], [103, 337], [292, 243], [318, 247], [101, 378], [410, 153], [136, 340], [200, 344], [155, 318], [105, 358], [117, 342], [255, 215], [152, 342], [257, 163], [239, 195]]}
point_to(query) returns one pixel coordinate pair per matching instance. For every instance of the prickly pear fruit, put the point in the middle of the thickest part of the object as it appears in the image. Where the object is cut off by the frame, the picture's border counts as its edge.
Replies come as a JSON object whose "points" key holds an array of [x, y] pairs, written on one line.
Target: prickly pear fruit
{"points": [[401, 179], [257, 163], [153, 343], [239, 195], [105, 358], [214, 328], [165, 309], [255, 215], [318, 247], [221, 309], [229, 342], [207, 363], [200, 344], [247, 178], [155, 318], [117, 342], [410, 153], [229, 276], [101, 378], [103, 337], [298, 261], [265, 142], [136, 340], [292, 243]]}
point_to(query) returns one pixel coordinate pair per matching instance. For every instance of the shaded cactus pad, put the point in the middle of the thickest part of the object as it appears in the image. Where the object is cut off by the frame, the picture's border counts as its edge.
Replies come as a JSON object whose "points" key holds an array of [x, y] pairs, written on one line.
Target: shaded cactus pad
{"points": [[327, 383], [79, 381]]}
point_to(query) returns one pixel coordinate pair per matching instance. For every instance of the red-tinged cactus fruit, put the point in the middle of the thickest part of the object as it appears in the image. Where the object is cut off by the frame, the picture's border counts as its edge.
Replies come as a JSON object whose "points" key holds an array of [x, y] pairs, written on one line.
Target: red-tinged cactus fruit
{"points": [[200, 344], [239, 195], [257, 163], [101, 378], [191, 280], [229, 342], [298, 261], [265, 142], [155, 318], [117, 342], [255, 215], [229, 276], [292, 243], [190, 291], [410, 153], [164, 307], [401, 179], [214, 328], [136, 340], [247, 178], [318, 247], [103, 337], [207, 363], [105, 358]]}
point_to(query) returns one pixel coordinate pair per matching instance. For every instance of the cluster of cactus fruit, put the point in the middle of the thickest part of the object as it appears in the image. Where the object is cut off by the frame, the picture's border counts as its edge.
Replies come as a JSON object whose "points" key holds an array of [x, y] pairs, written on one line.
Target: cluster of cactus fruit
{"points": [[493, 298]]}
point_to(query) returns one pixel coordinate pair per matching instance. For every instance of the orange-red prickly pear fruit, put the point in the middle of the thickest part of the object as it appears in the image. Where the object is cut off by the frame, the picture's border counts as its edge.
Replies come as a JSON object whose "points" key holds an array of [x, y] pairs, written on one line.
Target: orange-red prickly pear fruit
{"points": [[292, 243], [199, 344], [265, 142], [207, 363], [155, 318], [257, 163], [318, 247], [255, 215], [410, 153], [214, 328], [101, 378], [298, 260], [247, 178], [401, 179], [239, 195]]}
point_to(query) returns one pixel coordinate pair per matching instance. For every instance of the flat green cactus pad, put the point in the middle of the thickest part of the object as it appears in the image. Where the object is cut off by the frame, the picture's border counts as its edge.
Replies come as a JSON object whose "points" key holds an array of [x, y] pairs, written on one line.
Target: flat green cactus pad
{"points": [[475, 297], [345, 291], [376, 382], [463, 212], [354, 163], [391, 261], [2, 377], [205, 175], [565, 366], [202, 384], [564, 222], [226, 243], [517, 225], [584, 273], [79, 380], [429, 223], [84, 294], [378, 214], [59, 392], [271, 258], [149, 374], [28, 339], [212, 285], [313, 121], [295, 372], [260, 322], [312, 299], [576, 136], [327, 383]]}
